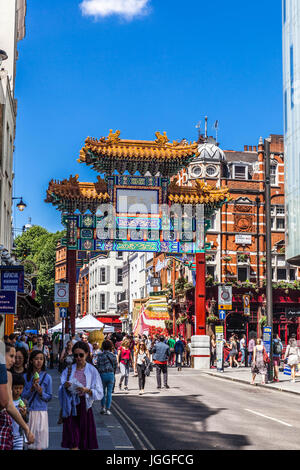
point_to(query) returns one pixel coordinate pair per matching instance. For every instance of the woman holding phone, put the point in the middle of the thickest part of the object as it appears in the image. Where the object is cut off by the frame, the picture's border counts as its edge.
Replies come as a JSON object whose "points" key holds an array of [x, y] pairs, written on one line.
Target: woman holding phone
{"points": [[84, 381]]}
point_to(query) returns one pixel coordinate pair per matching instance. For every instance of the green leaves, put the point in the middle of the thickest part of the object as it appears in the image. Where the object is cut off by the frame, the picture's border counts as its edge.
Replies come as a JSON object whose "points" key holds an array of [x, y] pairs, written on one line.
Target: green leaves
{"points": [[39, 246]]}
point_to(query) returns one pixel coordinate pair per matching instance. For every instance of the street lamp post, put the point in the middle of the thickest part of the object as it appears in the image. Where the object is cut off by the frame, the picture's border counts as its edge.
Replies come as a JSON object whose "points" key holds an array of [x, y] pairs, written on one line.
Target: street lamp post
{"points": [[269, 292], [21, 204]]}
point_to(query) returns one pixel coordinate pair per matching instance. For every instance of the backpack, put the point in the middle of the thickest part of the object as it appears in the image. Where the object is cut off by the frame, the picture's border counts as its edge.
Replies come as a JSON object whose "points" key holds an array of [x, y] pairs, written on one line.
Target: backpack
{"points": [[277, 347]]}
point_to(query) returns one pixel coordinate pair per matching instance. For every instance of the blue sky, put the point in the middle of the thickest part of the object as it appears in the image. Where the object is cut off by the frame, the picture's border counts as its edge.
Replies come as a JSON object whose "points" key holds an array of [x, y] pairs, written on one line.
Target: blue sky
{"points": [[80, 75]]}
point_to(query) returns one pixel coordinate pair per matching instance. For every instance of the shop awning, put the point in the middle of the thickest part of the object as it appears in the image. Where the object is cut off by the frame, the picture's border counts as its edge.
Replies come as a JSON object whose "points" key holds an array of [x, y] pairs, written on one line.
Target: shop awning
{"points": [[108, 319]]}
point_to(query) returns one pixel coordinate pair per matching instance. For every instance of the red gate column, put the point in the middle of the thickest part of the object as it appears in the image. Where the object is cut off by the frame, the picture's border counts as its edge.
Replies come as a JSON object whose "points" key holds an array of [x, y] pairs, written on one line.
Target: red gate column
{"points": [[71, 278], [200, 297]]}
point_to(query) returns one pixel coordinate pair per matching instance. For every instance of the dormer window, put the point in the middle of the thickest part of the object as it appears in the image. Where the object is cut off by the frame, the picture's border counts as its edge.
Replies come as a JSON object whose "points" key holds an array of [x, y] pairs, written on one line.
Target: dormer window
{"points": [[240, 172]]}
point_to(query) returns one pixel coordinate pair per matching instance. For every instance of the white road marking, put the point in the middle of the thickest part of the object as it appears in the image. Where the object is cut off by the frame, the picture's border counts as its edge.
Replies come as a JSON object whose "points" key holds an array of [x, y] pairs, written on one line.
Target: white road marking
{"points": [[269, 417]]}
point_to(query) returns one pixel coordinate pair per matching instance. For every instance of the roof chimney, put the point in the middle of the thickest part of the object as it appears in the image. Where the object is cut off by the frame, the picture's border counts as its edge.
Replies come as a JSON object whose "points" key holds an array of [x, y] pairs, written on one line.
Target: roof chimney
{"points": [[254, 148], [250, 148], [245, 148]]}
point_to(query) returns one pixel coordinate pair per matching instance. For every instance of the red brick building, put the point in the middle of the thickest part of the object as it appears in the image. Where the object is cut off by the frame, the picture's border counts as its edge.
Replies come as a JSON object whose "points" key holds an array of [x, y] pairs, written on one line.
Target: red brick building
{"points": [[237, 239], [83, 290]]}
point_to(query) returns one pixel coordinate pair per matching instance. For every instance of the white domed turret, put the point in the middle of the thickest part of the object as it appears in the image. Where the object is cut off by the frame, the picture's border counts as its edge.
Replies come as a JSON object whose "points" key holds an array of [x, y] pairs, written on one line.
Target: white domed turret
{"points": [[209, 151]]}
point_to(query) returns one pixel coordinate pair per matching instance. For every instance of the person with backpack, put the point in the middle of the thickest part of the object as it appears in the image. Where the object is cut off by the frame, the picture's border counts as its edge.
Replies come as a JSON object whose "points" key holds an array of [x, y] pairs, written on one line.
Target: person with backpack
{"points": [[277, 352], [124, 361]]}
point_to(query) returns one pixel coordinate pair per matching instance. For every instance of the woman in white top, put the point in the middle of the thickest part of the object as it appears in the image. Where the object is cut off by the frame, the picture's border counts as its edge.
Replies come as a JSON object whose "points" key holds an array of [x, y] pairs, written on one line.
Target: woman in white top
{"points": [[79, 430], [292, 356], [140, 359]]}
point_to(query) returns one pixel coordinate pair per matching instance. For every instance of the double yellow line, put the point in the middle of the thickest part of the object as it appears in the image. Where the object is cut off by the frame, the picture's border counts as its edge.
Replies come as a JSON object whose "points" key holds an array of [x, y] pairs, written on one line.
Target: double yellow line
{"points": [[137, 432]]}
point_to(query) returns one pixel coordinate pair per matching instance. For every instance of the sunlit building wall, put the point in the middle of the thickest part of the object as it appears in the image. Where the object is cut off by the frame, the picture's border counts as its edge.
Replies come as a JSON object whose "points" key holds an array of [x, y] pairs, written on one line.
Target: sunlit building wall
{"points": [[291, 100]]}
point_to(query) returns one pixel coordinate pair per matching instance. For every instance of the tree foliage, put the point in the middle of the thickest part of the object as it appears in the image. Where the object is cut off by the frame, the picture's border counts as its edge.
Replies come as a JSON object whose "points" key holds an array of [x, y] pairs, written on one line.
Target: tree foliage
{"points": [[37, 245]]}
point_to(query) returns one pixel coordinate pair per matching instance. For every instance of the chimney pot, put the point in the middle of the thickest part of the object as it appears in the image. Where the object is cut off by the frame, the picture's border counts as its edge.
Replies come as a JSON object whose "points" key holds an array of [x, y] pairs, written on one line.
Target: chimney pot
{"points": [[255, 148], [250, 148], [245, 148]]}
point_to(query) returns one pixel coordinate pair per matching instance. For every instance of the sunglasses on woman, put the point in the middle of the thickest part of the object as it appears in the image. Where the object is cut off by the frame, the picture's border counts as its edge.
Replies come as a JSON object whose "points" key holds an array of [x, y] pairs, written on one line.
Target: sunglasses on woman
{"points": [[78, 355]]}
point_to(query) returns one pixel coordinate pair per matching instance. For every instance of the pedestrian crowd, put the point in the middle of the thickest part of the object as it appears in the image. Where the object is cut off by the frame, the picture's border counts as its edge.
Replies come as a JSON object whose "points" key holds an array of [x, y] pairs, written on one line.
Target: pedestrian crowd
{"points": [[87, 374], [239, 353]]}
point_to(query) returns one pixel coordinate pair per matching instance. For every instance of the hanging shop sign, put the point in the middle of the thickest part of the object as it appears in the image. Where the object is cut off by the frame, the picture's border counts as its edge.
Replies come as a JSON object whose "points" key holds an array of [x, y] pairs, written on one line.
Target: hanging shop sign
{"points": [[12, 278], [155, 282], [225, 297], [246, 302]]}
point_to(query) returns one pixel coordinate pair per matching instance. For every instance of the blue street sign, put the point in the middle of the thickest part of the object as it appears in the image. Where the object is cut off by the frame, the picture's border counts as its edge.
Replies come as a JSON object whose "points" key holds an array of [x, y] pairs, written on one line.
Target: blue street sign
{"points": [[8, 302], [267, 338], [63, 312], [222, 314]]}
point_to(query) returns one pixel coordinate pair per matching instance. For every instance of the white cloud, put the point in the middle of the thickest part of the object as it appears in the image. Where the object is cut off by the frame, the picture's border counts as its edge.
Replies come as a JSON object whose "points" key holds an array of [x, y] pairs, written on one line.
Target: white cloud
{"points": [[104, 8]]}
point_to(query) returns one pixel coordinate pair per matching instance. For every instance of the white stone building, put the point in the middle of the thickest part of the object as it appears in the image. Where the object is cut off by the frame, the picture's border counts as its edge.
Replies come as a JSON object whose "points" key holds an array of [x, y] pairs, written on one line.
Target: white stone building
{"points": [[12, 30], [137, 270], [105, 285]]}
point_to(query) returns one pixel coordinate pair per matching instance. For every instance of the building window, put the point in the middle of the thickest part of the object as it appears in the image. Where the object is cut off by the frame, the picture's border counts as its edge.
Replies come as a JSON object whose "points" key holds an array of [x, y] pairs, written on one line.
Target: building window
{"points": [[196, 171], [211, 170], [281, 274], [211, 271], [212, 220], [280, 224], [273, 174], [278, 217], [119, 254], [102, 302], [242, 274], [143, 262], [119, 276], [240, 172], [292, 274], [102, 274]]}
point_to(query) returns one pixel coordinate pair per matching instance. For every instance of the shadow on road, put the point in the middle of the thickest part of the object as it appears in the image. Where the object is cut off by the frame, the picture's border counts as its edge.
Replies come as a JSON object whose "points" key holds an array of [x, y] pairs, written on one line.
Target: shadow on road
{"points": [[173, 422]]}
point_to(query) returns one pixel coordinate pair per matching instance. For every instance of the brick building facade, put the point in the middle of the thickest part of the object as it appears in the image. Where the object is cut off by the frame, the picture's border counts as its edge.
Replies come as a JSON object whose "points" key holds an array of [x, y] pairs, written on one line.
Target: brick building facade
{"points": [[237, 239]]}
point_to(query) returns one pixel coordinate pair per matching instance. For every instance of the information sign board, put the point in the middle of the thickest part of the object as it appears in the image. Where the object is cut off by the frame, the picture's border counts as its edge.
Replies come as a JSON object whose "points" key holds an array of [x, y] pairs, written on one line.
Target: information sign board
{"points": [[220, 347], [225, 297], [61, 293], [8, 302]]}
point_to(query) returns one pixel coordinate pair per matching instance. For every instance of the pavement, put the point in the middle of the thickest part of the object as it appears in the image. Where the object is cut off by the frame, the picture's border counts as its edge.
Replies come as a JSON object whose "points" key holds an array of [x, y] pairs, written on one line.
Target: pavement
{"points": [[243, 375]]}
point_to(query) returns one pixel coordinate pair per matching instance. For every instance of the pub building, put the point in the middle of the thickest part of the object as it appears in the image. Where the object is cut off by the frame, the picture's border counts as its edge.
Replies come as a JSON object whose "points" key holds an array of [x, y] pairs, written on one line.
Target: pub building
{"points": [[236, 245]]}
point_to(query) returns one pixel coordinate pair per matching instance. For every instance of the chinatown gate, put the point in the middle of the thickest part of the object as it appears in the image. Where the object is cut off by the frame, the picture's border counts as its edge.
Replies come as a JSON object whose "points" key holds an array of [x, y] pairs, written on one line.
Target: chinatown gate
{"points": [[136, 205]]}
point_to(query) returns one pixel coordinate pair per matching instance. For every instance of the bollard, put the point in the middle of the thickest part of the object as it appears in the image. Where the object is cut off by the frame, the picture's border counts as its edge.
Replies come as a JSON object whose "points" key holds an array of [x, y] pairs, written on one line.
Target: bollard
{"points": [[200, 352]]}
